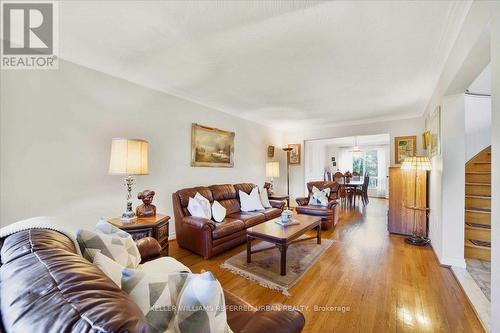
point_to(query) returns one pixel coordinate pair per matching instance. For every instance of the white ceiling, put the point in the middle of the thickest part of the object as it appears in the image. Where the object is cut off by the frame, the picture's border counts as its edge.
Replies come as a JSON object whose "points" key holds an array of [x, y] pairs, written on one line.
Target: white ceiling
{"points": [[281, 63]]}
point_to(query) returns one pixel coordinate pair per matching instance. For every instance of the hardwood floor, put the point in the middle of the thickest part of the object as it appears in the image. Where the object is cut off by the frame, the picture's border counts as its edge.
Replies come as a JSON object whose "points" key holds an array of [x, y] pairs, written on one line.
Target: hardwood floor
{"points": [[383, 284]]}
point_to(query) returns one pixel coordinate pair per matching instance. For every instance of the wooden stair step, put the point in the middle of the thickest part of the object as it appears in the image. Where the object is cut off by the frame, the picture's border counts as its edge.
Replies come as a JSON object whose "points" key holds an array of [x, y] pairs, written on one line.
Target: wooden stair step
{"points": [[478, 177], [477, 202], [477, 225], [479, 243], [478, 216], [477, 234], [474, 251], [478, 189]]}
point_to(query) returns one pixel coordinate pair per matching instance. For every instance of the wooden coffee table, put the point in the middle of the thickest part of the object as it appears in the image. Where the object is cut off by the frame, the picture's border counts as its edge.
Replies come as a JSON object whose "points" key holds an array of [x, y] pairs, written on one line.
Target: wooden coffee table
{"points": [[283, 236]]}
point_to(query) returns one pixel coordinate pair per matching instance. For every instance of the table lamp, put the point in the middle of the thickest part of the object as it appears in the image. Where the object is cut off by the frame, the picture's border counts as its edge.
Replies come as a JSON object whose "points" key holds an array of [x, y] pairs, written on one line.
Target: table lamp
{"points": [[287, 150], [128, 157], [416, 163], [272, 171]]}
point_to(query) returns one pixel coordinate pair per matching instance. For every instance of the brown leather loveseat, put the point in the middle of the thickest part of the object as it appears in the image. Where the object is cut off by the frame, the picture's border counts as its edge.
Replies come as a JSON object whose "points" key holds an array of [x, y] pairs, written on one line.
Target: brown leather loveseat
{"points": [[208, 238], [46, 287], [330, 214]]}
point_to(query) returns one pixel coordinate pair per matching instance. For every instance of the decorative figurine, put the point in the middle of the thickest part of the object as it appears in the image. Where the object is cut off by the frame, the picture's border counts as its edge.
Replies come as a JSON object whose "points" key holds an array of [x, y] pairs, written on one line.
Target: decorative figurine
{"points": [[269, 188], [146, 209]]}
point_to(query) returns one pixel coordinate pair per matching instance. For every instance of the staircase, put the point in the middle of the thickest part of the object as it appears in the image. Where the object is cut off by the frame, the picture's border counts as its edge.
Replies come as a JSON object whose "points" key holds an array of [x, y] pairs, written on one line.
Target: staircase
{"points": [[478, 206]]}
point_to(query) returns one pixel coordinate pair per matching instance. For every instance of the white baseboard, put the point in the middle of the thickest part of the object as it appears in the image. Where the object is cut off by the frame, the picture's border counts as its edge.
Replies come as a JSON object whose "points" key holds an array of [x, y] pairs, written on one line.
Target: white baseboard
{"points": [[171, 236], [479, 302], [453, 262]]}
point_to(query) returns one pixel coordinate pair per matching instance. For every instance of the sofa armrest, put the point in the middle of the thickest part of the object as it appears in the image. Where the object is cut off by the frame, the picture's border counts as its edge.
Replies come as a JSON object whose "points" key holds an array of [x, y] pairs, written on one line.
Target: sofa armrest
{"points": [[277, 204], [302, 201], [199, 222], [275, 318], [149, 248], [333, 203]]}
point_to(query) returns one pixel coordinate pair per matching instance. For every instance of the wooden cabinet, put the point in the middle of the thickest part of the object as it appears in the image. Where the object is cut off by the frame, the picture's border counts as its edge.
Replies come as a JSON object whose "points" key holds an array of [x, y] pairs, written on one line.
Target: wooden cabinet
{"points": [[156, 227], [401, 199]]}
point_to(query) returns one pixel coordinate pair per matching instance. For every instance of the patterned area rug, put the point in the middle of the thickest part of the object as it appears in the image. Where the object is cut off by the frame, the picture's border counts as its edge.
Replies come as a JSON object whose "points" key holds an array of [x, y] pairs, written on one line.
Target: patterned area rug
{"points": [[265, 266]]}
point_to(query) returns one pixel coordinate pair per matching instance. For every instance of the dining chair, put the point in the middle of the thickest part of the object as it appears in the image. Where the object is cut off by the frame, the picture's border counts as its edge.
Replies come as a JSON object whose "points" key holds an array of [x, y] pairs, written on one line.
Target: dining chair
{"points": [[363, 191]]}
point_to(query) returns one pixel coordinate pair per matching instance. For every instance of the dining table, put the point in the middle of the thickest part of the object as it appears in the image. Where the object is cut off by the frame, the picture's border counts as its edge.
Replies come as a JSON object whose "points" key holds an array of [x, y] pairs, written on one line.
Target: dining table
{"points": [[354, 184]]}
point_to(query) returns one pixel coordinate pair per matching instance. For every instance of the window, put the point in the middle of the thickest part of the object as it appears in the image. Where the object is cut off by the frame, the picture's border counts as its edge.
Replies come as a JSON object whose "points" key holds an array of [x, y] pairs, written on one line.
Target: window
{"points": [[366, 163]]}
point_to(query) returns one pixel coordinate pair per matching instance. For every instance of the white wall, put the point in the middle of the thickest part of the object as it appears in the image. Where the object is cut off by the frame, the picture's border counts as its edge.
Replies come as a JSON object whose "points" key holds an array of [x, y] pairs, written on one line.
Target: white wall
{"points": [[56, 130], [495, 158], [477, 124], [394, 128], [453, 181]]}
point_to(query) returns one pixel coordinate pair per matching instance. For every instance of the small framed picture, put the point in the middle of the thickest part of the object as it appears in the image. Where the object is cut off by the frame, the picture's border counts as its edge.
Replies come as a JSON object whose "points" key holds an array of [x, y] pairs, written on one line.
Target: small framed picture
{"points": [[270, 151], [334, 164], [294, 155], [333, 159]]}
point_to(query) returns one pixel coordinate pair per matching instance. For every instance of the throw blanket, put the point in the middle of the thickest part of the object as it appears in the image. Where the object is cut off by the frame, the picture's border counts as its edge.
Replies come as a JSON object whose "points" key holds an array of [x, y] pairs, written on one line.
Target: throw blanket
{"points": [[42, 222]]}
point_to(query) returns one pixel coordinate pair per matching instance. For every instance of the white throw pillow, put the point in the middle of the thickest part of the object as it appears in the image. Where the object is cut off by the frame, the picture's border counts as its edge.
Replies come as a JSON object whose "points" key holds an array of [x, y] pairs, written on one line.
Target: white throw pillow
{"points": [[195, 208], [319, 197], [250, 202], [205, 204], [218, 211], [112, 269], [264, 199]]}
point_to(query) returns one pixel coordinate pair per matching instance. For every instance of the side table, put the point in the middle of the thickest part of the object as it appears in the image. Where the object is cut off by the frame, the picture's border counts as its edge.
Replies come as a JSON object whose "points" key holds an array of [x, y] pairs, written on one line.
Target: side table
{"points": [[280, 198], [156, 227]]}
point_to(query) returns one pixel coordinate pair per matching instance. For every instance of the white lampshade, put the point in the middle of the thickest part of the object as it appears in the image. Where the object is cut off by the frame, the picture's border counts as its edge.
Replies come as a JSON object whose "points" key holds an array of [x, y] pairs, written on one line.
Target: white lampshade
{"points": [[272, 169], [129, 157], [417, 163]]}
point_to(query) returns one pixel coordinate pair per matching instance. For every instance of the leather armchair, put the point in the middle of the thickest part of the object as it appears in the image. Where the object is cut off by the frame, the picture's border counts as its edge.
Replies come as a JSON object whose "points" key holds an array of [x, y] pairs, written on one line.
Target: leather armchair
{"points": [[329, 214]]}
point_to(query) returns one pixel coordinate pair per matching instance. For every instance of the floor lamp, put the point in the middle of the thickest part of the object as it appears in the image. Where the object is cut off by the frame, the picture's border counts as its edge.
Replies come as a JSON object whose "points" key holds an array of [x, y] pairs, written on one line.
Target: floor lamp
{"points": [[416, 163], [288, 150]]}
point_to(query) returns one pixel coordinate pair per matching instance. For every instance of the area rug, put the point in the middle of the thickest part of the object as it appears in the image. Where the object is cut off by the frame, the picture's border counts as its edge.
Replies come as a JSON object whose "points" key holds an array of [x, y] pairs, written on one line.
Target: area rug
{"points": [[265, 266]]}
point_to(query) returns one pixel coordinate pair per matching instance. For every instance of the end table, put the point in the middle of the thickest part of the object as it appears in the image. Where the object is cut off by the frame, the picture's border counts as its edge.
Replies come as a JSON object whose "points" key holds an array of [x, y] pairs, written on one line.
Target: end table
{"points": [[280, 198], [156, 227]]}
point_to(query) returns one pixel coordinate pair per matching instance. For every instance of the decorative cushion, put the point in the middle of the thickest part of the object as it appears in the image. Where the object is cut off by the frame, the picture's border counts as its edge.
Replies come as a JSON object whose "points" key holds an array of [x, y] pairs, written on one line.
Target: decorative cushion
{"points": [[205, 204], [117, 246], [201, 306], [178, 302], [112, 269], [264, 199], [155, 294], [199, 206], [319, 197], [163, 265], [218, 211], [250, 202]]}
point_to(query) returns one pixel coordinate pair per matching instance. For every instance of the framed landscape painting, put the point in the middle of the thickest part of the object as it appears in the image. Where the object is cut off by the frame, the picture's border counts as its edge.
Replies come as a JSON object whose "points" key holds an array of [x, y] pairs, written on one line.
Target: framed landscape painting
{"points": [[211, 147], [404, 146], [294, 156]]}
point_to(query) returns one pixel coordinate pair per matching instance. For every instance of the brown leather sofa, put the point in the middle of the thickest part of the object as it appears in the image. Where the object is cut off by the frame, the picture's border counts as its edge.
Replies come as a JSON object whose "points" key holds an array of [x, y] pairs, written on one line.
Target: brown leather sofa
{"points": [[330, 214], [46, 287], [208, 238]]}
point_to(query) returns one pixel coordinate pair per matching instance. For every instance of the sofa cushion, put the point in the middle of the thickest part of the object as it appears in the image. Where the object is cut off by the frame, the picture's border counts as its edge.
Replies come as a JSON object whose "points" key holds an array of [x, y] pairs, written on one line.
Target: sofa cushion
{"points": [[187, 193], [231, 205], [223, 192], [314, 210], [272, 213], [249, 218], [226, 227], [244, 187]]}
